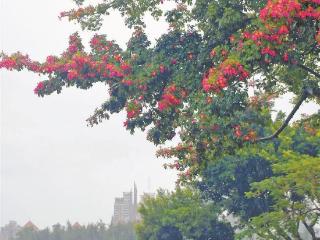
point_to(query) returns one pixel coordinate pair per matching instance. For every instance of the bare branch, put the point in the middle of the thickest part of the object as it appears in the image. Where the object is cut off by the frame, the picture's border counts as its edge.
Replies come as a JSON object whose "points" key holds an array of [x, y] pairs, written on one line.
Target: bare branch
{"points": [[302, 98], [310, 230]]}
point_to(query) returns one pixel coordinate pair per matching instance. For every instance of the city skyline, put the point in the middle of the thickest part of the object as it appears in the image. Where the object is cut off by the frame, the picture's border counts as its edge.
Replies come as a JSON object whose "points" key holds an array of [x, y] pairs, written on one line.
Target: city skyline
{"points": [[130, 212]]}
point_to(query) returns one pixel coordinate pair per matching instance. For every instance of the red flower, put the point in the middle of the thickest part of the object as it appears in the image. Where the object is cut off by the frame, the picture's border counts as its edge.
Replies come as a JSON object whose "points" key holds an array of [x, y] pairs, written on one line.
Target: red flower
{"points": [[168, 98], [206, 85], [171, 99], [237, 131], [127, 82], [247, 35], [125, 67], [154, 74], [39, 88], [213, 53], [162, 69], [222, 82], [117, 57], [8, 63], [283, 30], [72, 74], [318, 37], [72, 49], [174, 61], [224, 52], [268, 51], [131, 114], [162, 105]]}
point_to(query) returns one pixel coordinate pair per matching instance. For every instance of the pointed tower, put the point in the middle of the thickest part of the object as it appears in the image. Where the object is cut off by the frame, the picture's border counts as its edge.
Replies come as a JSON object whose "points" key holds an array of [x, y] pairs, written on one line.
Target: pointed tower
{"points": [[135, 195], [135, 202]]}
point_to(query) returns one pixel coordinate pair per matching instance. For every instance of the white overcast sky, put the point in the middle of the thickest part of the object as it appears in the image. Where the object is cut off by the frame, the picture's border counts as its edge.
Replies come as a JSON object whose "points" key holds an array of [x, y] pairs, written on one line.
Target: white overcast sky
{"points": [[53, 167]]}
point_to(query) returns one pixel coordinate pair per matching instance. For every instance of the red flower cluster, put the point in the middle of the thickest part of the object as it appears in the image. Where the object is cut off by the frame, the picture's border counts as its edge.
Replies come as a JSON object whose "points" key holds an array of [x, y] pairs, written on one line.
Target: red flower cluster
{"points": [[75, 44], [18, 61], [73, 63], [72, 74], [268, 51], [8, 63], [77, 13], [100, 44], [280, 9], [133, 109], [127, 82], [162, 69], [39, 88], [275, 35], [168, 98], [176, 165], [251, 134], [125, 67], [271, 39], [237, 131], [220, 77], [284, 12], [290, 9]]}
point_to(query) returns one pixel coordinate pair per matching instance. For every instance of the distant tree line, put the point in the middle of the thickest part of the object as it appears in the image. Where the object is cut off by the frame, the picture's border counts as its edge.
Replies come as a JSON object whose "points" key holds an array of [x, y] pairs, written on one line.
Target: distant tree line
{"points": [[98, 231]]}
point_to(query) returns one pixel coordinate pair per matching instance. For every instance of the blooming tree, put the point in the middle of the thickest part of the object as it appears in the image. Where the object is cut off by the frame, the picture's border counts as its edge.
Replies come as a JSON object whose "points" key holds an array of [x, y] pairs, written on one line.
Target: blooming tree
{"points": [[194, 82]]}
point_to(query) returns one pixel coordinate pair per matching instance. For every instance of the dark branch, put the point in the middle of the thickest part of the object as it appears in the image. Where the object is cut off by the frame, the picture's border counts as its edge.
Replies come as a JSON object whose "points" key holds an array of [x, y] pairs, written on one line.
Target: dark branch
{"points": [[314, 91], [310, 230], [309, 70], [302, 98]]}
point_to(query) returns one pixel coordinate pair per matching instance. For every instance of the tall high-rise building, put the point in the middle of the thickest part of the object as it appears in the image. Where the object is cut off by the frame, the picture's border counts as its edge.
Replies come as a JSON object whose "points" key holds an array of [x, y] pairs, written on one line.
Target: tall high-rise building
{"points": [[135, 203], [125, 208]]}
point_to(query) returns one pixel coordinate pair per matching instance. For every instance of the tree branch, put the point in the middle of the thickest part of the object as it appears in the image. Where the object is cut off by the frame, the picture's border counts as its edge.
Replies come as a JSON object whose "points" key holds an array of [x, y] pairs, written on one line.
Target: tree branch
{"points": [[310, 230], [308, 70], [314, 91], [302, 98]]}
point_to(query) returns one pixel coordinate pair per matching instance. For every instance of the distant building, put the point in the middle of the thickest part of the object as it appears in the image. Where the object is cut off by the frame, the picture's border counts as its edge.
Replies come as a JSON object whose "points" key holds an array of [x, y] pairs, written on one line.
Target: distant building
{"points": [[126, 208], [76, 225], [30, 225], [9, 231]]}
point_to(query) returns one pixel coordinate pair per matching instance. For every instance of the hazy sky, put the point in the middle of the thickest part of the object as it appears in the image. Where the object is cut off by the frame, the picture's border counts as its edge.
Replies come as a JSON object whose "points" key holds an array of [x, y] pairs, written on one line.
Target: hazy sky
{"points": [[53, 167]]}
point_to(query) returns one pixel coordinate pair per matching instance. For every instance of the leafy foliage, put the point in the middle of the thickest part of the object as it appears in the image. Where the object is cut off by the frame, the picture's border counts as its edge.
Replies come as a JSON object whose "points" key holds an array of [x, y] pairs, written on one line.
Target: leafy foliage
{"points": [[179, 215], [294, 189], [194, 82]]}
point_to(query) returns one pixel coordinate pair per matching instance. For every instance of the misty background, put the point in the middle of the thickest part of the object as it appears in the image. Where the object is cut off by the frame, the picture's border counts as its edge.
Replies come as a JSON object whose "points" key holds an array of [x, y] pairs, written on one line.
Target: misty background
{"points": [[53, 167]]}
